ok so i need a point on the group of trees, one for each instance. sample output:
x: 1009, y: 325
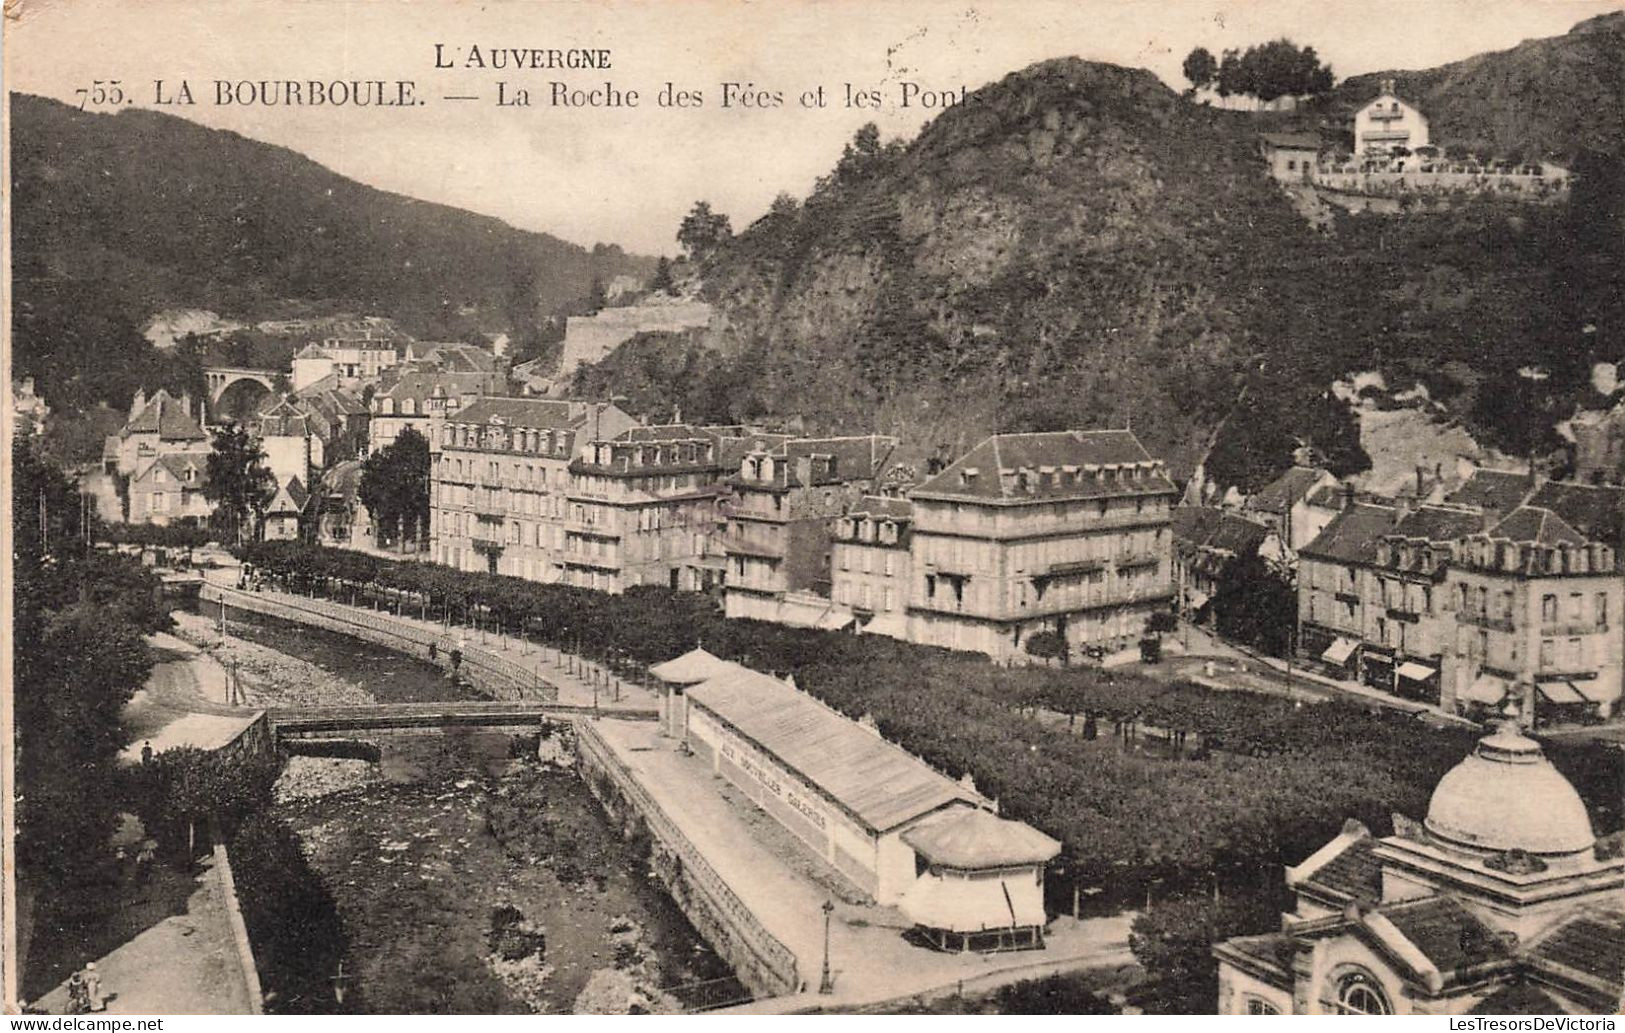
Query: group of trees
x: 239, y: 483
x: 1266, y: 71
x: 79, y: 618
x: 1277, y: 783
x: 395, y: 489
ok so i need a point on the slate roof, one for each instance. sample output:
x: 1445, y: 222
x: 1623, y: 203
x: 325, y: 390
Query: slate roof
x: 454, y: 357
x: 293, y: 493
x: 1061, y: 464
x: 1352, y: 535
x: 1204, y: 527
x: 1292, y: 141
x: 887, y: 507
x: 1495, y: 491
x: 1590, y: 944
x: 1272, y: 951
x: 1287, y: 490
x: 856, y: 458
x: 1354, y: 874
x: 873, y: 780
x: 1591, y: 510
x: 665, y: 432
x: 539, y: 413
x: 1446, y: 933
x: 1518, y: 998
x: 1537, y: 526
x: 164, y: 416
x: 1439, y: 523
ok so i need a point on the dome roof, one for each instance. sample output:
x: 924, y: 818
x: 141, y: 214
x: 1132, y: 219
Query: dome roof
x: 1507, y: 796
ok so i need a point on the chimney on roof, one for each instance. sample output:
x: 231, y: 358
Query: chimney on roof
x: 1388, y: 87
x: 138, y: 403
x: 1348, y: 495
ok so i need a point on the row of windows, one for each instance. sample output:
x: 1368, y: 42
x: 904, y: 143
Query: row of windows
x: 866, y: 560
x: 864, y: 596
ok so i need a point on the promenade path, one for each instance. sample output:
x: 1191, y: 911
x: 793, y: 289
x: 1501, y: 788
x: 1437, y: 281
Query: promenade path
x: 579, y: 682
x: 182, y: 704
x: 773, y: 876
x: 180, y: 964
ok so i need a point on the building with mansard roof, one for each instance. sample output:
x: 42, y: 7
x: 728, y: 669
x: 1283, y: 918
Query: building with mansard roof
x: 1509, y: 592
x: 1503, y: 900
x: 1064, y: 532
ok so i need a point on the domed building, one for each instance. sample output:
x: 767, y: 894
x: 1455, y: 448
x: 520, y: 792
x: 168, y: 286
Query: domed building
x: 1503, y: 900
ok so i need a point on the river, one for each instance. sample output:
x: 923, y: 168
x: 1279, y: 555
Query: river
x: 470, y: 876
x: 389, y: 676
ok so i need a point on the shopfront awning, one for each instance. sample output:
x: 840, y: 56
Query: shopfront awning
x: 836, y: 620
x: 1560, y: 692
x: 1198, y: 599
x: 891, y: 624
x: 1340, y: 651
x: 1415, y: 671
x: 1487, y: 689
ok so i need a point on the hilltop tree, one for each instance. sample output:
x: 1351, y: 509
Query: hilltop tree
x: 1200, y: 68
x: 240, y: 484
x: 703, y: 231
x: 1279, y: 68
x: 662, y: 279
x: 395, y: 488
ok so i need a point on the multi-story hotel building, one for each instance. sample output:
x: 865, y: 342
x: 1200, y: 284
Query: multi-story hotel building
x: 1436, y: 605
x: 784, y: 499
x: 499, y: 497
x: 1538, y: 618
x: 1066, y: 532
x: 871, y: 563
x: 644, y: 508
x: 1371, y: 597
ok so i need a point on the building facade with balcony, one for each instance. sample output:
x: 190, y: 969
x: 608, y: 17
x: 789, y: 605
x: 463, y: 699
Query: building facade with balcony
x: 784, y: 499
x: 1388, y: 123
x: 1472, y: 606
x: 1372, y: 602
x: 871, y: 566
x: 645, y: 508
x: 1538, y: 620
x: 499, y: 491
x: 1066, y: 532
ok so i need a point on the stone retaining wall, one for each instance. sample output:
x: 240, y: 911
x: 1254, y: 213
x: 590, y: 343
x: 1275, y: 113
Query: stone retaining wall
x: 759, y: 959
x: 234, y: 917
x: 486, y: 671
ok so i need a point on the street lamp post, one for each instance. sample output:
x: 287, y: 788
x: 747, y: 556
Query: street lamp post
x: 826, y: 985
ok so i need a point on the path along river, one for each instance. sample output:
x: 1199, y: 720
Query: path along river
x: 470, y: 875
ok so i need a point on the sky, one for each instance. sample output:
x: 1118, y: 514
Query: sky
x: 627, y: 175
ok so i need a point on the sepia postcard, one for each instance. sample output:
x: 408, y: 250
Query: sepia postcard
x: 768, y: 507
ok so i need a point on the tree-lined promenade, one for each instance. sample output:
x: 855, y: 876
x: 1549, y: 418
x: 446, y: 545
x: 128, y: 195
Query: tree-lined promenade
x: 1274, y: 782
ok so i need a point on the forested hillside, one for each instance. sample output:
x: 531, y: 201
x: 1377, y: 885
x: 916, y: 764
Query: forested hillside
x: 118, y: 216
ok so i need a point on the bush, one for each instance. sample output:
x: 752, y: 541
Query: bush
x: 292, y: 920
